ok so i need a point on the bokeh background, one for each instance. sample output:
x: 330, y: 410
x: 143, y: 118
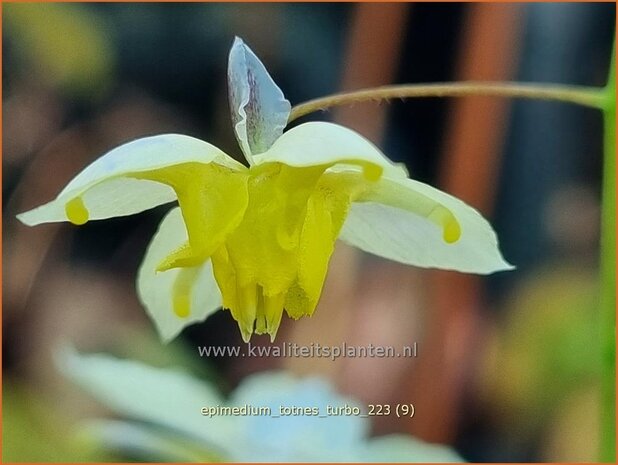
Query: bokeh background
x: 508, y: 365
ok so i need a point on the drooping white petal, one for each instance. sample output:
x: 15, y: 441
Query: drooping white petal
x: 193, y: 289
x: 169, y: 397
x: 106, y: 188
x: 259, y: 109
x: 412, y: 223
x: 321, y: 143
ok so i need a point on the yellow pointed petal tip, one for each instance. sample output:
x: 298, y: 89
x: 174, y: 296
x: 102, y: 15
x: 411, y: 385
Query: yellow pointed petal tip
x: 372, y: 172
x: 182, y: 290
x: 451, y: 230
x: 273, y: 311
x: 182, y: 257
x: 267, y: 316
x: 76, y: 211
x: 182, y: 306
x: 248, y: 303
x: 245, y: 333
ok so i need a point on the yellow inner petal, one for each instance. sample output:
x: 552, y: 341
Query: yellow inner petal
x: 278, y: 255
x: 263, y: 248
x: 212, y: 199
x: 327, y: 209
x: 258, y: 262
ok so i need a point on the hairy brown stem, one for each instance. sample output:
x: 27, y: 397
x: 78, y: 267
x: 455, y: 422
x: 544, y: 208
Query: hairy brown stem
x: 579, y: 95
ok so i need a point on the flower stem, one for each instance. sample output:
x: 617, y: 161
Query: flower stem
x: 579, y: 95
x: 608, y: 272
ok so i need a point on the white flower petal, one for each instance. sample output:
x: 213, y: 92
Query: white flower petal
x: 404, y: 226
x: 162, y: 396
x: 320, y: 143
x: 105, y: 189
x: 114, y: 197
x: 156, y: 289
x: 259, y: 109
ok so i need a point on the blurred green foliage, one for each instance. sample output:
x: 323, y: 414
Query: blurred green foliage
x: 33, y: 430
x: 64, y: 43
x: 545, y: 349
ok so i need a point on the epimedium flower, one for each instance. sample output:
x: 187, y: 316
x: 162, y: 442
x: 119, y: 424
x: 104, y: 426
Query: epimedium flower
x: 257, y: 240
x: 161, y: 417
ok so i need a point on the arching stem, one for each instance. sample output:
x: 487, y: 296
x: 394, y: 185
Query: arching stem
x: 579, y: 95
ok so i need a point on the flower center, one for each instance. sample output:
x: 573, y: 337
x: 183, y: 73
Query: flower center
x: 278, y: 255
